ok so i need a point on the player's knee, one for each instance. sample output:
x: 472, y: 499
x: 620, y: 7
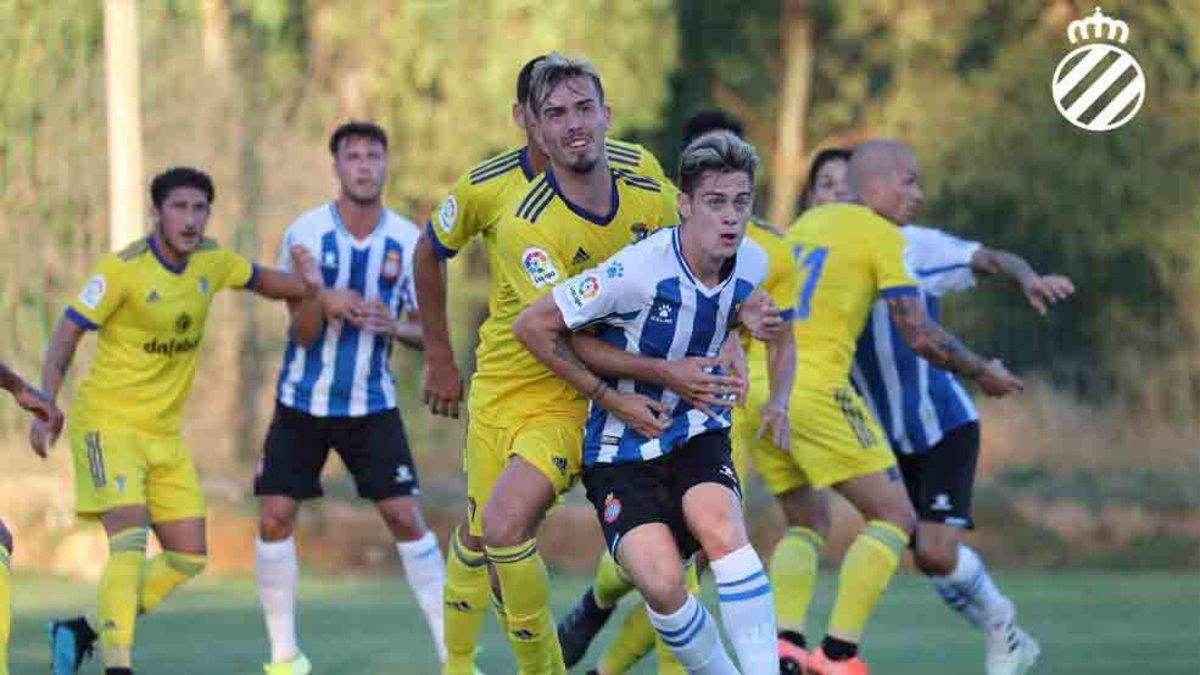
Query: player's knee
x: 404, y: 521
x: 187, y: 564
x: 275, y: 526
x: 720, y: 534
x: 663, y: 587
x: 504, y: 527
x: 935, y: 559
x: 898, y: 512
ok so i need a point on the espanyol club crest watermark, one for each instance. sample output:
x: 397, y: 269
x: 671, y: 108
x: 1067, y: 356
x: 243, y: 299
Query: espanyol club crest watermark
x: 1098, y: 86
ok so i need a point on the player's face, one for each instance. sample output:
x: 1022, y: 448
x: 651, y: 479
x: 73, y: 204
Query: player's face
x: 832, y: 183
x: 717, y: 210
x: 898, y: 196
x: 361, y: 166
x: 181, y: 219
x: 571, y: 125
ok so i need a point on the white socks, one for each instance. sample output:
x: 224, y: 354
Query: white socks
x: 970, y: 591
x: 747, y: 609
x: 692, y: 635
x: 425, y: 571
x: 278, y: 572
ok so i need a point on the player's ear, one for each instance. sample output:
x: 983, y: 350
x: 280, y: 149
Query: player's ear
x: 684, y: 204
x: 518, y: 115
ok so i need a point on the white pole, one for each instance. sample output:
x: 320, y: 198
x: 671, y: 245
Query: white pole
x: 126, y: 186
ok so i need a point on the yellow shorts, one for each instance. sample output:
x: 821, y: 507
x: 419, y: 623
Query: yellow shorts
x: 122, y: 467
x: 834, y: 439
x: 552, y: 444
x: 746, y: 421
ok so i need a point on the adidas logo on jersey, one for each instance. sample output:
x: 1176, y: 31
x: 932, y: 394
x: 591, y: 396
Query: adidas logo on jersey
x: 581, y: 256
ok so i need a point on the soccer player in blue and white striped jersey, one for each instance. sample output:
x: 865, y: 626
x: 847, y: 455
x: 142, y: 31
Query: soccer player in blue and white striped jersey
x: 934, y: 429
x: 663, y: 485
x: 335, y: 390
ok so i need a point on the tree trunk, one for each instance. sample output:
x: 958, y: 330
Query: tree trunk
x: 126, y: 205
x: 787, y: 160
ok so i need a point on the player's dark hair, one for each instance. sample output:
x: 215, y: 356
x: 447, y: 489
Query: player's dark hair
x: 525, y: 77
x: 365, y: 129
x: 720, y: 151
x: 711, y: 120
x: 822, y: 158
x: 177, y: 177
x: 554, y: 68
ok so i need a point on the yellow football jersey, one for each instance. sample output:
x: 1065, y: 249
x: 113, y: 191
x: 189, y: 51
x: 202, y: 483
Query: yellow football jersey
x: 847, y: 256
x: 150, y: 318
x: 781, y: 285
x: 546, y: 240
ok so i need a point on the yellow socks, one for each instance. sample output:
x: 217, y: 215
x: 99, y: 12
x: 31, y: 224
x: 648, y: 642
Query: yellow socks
x: 793, y: 572
x: 5, y: 607
x: 465, y: 604
x: 611, y: 583
x: 524, y: 585
x: 118, y: 596
x: 165, y: 572
x: 867, y: 569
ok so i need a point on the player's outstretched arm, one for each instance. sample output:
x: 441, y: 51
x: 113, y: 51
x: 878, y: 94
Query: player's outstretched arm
x: 692, y: 378
x: 936, y: 345
x: 543, y: 331
x: 443, y: 388
x: 1041, y: 290
x: 59, y: 354
x: 30, y: 398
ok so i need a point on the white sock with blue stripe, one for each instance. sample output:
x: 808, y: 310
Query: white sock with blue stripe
x: 692, y: 635
x: 970, y: 591
x: 747, y: 609
x: 426, y: 574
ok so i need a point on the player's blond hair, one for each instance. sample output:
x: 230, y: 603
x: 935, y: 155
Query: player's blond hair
x: 552, y: 70
x: 720, y: 151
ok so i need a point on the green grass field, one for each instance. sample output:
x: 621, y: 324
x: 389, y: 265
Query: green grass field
x: 1087, y: 623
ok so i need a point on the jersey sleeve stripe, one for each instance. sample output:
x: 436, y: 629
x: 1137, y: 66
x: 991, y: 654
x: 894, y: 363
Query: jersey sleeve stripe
x: 647, y: 185
x: 494, y: 161
x: 932, y: 271
x: 623, y: 152
x: 541, y: 206
x: 444, y: 252
x: 478, y: 177
x: 899, y: 292
x: 80, y: 320
x: 252, y: 282
x: 532, y: 197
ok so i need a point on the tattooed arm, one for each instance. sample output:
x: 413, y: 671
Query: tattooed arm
x: 59, y: 354
x: 936, y: 345
x: 544, y: 333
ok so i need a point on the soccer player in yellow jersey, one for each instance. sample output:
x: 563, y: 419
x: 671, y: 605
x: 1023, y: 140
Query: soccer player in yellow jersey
x: 849, y: 254
x: 526, y: 425
x: 44, y: 409
x: 473, y: 208
x: 148, y: 304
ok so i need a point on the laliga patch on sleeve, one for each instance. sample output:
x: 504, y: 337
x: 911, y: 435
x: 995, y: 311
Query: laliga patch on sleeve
x: 93, y: 293
x: 583, y: 290
x: 539, y: 267
x: 448, y: 214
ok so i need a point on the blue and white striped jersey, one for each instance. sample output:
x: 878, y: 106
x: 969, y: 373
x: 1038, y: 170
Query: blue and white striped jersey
x: 345, y: 373
x: 646, y: 301
x: 915, y: 402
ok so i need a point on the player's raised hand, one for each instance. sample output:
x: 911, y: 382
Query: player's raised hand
x: 761, y: 316
x: 373, y: 317
x: 304, y: 264
x: 1045, y: 290
x: 775, y: 420
x: 643, y: 414
x: 996, y: 381
x: 443, y: 385
x: 694, y: 381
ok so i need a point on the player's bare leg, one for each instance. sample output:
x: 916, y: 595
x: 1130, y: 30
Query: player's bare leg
x: 869, y: 563
x: 714, y: 515
x: 960, y: 577
x: 424, y: 568
x: 511, y: 519
x: 793, y: 570
x: 278, y: 569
